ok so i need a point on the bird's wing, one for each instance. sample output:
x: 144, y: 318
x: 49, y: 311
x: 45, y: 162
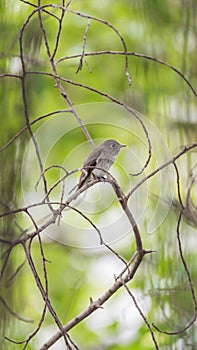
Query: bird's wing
x: 90, y: 161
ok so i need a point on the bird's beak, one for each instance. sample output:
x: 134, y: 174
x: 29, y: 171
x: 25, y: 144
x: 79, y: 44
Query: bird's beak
x: 123, y: 146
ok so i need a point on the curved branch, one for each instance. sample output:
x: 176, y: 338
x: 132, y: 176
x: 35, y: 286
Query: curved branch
x: 112, y: 99
x: 31, y: 123
x: 94, y: 305
x: 123, y: 202
x: 135, y: 54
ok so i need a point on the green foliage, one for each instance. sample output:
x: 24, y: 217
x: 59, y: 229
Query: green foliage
x: 162, y: 30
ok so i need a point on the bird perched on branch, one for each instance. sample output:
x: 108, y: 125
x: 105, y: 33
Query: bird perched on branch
x: 101, y: 158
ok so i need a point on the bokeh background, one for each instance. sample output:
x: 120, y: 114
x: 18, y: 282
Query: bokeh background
x: 79, y: 266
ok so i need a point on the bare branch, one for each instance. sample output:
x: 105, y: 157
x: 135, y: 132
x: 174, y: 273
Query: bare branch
x: 179, y: 331
x: 163, y: 166
x: 112, y: 99
x: 94, y: 305
x: 142, y: 315
x: 32, y: 123
x: 12, y: 312
x: 58, y: 84
x: 135, y: 54
x: 99, y: 233
x: 25, y: 105
x: 83, y: 48
x: 33, y: 233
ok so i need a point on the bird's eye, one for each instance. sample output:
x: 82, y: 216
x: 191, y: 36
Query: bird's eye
x: 113, y: 145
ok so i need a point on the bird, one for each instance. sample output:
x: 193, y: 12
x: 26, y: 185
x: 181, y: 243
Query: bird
x: 101, y: 157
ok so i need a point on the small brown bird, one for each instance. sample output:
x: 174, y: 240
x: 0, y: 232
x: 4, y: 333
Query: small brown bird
x: 102, y: 157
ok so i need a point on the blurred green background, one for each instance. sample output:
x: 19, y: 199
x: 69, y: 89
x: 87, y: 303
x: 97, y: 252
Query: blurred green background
x: 79, y: 267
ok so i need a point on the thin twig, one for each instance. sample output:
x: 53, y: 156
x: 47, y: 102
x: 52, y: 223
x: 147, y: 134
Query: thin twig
x: 94, y: 305
x: 12, y: 312
x: 25, y: 104
x: 111, y: 98
x: 142, y: 315
x: 134, y: 54
x: 32, y: 123
x: 57, y: 81
x: 99, y: 233
x: 83, y: 48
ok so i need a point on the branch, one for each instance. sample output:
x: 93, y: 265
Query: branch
x: 135, y: 54
x: 142, y: 315
x: 12, y: 312
x: 94, y: 305
x: 163, y: 166
x: 58, y: 84
x: 31, y: 123
x: 112, y: 99
x: 179, y: 331
x: 83, y: 48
